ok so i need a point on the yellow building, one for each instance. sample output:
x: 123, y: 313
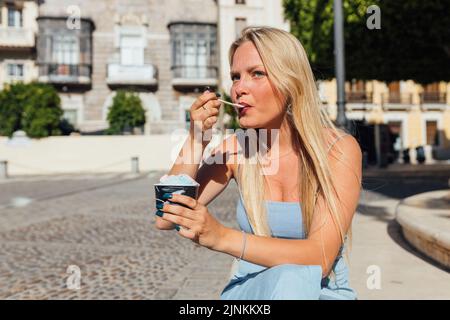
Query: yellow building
x: 416, y: 115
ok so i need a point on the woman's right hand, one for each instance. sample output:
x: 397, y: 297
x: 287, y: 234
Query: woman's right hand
x: 204, y: 112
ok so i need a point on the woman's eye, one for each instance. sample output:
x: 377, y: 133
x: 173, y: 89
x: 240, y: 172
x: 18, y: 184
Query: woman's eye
x: 259, y: 74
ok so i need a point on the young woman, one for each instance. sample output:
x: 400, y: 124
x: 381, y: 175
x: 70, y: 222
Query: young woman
x: 297, y: 199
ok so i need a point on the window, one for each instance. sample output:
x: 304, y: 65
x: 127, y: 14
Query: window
x: 187, y: 119
x: 131, y: 50
x: 65, y: 55
x: 397, y: 93
x: 15, y: 71
x: 239, y: 25
x: 432, y: 94
x: 185, y: 103
x: 194, y: 50
x: 14, y: 17
x: 240, y: 2
x: 62, y: 52
x: 65, y: 49
x: 432, y: 133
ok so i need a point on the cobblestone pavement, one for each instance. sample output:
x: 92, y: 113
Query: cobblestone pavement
x: 104, y: 224
x: 106, y: 228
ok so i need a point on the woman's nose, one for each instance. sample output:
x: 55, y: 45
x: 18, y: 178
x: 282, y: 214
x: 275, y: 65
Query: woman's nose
x: 241, y: 87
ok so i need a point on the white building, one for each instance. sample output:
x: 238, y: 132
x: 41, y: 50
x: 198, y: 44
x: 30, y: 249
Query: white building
x: 18, y: 28
x: 235, y: 15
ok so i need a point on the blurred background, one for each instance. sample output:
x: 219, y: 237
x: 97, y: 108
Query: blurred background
x: 94, y: 103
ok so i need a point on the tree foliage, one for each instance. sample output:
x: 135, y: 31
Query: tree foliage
x: 34, y: 108
x: 413, y: 42
x: 231, y: 112
x: 125, y: 113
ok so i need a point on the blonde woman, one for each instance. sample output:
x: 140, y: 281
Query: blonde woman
x: 297, y: 197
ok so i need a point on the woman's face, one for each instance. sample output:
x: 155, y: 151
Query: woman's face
x: 251, y: 87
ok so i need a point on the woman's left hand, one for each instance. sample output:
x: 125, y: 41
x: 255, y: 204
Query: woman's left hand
x: 195, y: 221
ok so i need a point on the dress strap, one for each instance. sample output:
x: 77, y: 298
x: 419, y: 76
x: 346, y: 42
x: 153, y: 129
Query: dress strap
x: 336, y: 140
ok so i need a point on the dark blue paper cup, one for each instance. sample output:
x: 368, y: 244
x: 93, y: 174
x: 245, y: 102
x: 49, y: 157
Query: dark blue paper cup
x: 161, y: 189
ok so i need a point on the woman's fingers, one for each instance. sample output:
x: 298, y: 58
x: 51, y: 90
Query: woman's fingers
x: 178, y: 210
x: 210, y: 122
x: 210, y: 108
x: 188, y: 233
x: 206, y: 107
x: 184, y: 222
x: 185, y: 200
x: 202, y: 100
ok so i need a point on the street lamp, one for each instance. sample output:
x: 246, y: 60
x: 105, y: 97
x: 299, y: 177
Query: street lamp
x: 339, y: 56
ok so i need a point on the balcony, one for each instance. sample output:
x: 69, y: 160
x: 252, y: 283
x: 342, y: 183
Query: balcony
x: 65, y: 74
x: 132, y: 75
x: 397, y: 101
x: 359, y: 100
x: 187, y: 77
x: 16, y: 38
x: 433, y: 100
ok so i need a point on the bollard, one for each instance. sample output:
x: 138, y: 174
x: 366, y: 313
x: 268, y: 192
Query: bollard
x: 135, y: 164
x: 3, y: 169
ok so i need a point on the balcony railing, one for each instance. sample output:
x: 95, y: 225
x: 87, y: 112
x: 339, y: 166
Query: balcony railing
x: 15, y: 37
x: 396, y: 100
x: 359, y: 97
x: 433, y: 97
x: 141, y: 75
x: 194, y: 75
x: 65, y: 73
x: 358, y: 100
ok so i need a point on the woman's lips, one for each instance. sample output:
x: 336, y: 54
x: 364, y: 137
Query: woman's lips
x: 243, y: 111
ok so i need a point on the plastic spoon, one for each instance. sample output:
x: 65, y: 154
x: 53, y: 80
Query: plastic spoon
x: 235, y: 105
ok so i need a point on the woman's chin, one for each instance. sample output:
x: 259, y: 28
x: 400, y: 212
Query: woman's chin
x: 249, y: 123
x: 246, y: 123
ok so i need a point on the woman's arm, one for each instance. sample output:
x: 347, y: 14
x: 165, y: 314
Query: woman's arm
x: 323, y: 243
x: 203, y: 116
x: 187, y: 162
x: 213, y: 175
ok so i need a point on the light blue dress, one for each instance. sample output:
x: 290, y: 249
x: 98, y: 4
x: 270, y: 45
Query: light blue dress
x: 287, y: 281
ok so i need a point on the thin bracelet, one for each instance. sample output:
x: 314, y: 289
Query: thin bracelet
x: 244, y: 240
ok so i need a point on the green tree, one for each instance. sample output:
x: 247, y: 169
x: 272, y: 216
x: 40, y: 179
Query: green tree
x: 34, y: 108
x: 229, y: 110
x: 125, y: 113
x: 11, y: 108
x: 413, y: 42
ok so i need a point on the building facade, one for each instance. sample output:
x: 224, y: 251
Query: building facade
x: 166, y: 51
x: 415, y: 115
x: 18, y: 27
x: 235, y: 15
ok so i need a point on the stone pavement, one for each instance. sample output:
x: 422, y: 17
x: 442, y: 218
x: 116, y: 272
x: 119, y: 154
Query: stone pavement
x: 379, y: 247
x: 105, y: 226
x: 107, y: 230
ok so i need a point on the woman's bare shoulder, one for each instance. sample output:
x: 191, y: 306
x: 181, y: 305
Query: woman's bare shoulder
x: 341, y: 144
x: 331, y: 135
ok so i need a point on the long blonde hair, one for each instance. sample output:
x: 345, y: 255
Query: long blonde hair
x: 289, y: 71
